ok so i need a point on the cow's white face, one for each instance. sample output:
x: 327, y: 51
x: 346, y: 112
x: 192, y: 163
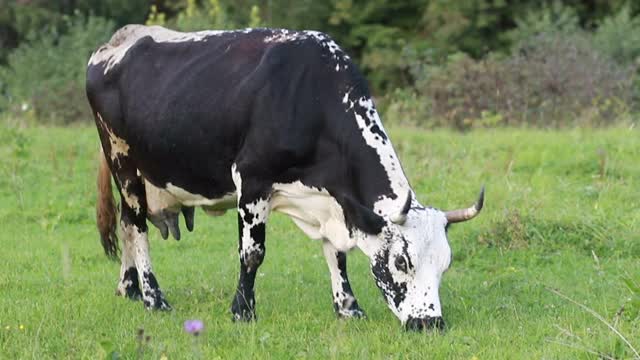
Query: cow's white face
x: 408, y: 263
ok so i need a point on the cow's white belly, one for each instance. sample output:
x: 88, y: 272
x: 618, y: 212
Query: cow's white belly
x: 315, y: 212
x: 228, y: 201
x: 172, y: 197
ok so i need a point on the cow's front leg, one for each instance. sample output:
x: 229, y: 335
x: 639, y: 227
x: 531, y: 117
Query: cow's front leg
x: 344, y: 302
x: 253, y: 210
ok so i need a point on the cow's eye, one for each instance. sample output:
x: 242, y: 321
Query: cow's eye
x: 401, y: 263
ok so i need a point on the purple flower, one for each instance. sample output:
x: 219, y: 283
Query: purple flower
x: 193, y: 326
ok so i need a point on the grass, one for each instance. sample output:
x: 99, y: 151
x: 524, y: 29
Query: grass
x: 562, y: 214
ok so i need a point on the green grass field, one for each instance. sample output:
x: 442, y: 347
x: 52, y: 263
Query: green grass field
x: 562, y: 212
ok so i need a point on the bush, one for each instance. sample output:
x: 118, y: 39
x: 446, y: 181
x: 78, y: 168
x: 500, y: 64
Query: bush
x: 558, y: 80
x: 551, y: 79
x: 46, y: 76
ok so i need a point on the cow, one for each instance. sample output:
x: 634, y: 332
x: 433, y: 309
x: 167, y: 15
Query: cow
x: 259, y: 120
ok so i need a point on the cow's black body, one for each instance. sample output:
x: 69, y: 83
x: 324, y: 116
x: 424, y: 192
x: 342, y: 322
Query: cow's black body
x: 190, y: 110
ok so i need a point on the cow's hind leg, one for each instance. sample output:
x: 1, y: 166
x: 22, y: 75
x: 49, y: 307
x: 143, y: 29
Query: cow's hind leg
x: 136, y: 242
x: 129, y: 284
x: 253, y: 210
x: 134, y: 237
x: 136, y: 275
x: 344, y: 302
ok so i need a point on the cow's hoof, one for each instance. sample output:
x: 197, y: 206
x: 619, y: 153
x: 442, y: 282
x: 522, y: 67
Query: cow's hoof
x: 243, y: 308
x: 356, y: 313
x: 349, y: 309
x: 244, y: 316
x: 156, y: 302
x: 241, y: 312
x: 129, y: 292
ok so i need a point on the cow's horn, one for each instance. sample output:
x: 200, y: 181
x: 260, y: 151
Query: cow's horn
x: 400, y: 217
x: 460, y: 215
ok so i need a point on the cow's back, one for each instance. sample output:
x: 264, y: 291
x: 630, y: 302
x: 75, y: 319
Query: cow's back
x: 193, y: 100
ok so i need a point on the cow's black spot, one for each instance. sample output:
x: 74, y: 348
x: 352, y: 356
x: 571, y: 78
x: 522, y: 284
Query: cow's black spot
x: 390, y: 289
x: 342, y: 265
x: 431, y: 307
x: 248, y: 215
x: 132, y: 289
x: 151, y: 280
x: 377, y: 130
x: 258, y: 233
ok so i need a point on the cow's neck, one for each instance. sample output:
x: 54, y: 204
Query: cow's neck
x: 390, y: 191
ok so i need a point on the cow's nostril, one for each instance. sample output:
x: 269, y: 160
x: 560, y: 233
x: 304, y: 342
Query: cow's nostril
x: 427, y: 323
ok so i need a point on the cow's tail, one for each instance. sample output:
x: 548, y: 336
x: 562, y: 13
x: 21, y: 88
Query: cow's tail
x: 106, y: 212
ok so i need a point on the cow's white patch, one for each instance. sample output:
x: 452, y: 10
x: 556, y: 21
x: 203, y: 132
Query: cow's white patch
x: 184, y: 197
x: 159, y: 199
x: 138, y: 249
x: 126, y: 260
x: 282, y: 36
x: 114, y: 51
x: 119, y: 147
x: 237, y: 179
x: 130, y: 198
x: 315, y: 212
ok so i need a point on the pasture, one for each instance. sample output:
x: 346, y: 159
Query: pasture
x: 562, y: 213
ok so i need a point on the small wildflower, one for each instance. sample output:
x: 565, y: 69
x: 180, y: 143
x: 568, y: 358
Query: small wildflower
x: 164, y: 357
x: 7, y: 327
x: 193, y: 327
x: 21, y: 327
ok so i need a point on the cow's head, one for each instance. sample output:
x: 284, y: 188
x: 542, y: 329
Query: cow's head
x: 408, y: 257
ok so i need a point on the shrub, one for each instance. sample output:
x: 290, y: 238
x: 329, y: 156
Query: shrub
x: 563, y: 79
x: 47, y: 75
x: 552, y: 79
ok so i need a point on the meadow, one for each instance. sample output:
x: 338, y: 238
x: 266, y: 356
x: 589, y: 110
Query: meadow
x: 561, y: 221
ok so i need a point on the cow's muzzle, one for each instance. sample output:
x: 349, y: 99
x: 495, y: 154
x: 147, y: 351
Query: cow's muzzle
x: 427, y: 323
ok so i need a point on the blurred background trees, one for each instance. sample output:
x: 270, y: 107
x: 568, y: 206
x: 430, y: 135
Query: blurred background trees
x: 462, y: 63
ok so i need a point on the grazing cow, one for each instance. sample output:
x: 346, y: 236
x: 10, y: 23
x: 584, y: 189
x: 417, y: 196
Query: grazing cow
x: 260, y: 120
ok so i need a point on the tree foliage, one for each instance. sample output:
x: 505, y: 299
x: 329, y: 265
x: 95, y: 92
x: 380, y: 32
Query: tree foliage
x: 395, y: 43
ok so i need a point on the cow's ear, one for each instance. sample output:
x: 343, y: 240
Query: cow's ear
x: 359, y: 216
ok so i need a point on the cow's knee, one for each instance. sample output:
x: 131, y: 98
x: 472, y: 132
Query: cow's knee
x: 252, y: 256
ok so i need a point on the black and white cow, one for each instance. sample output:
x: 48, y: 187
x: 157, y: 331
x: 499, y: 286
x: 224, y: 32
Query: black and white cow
x: 260, y: 120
